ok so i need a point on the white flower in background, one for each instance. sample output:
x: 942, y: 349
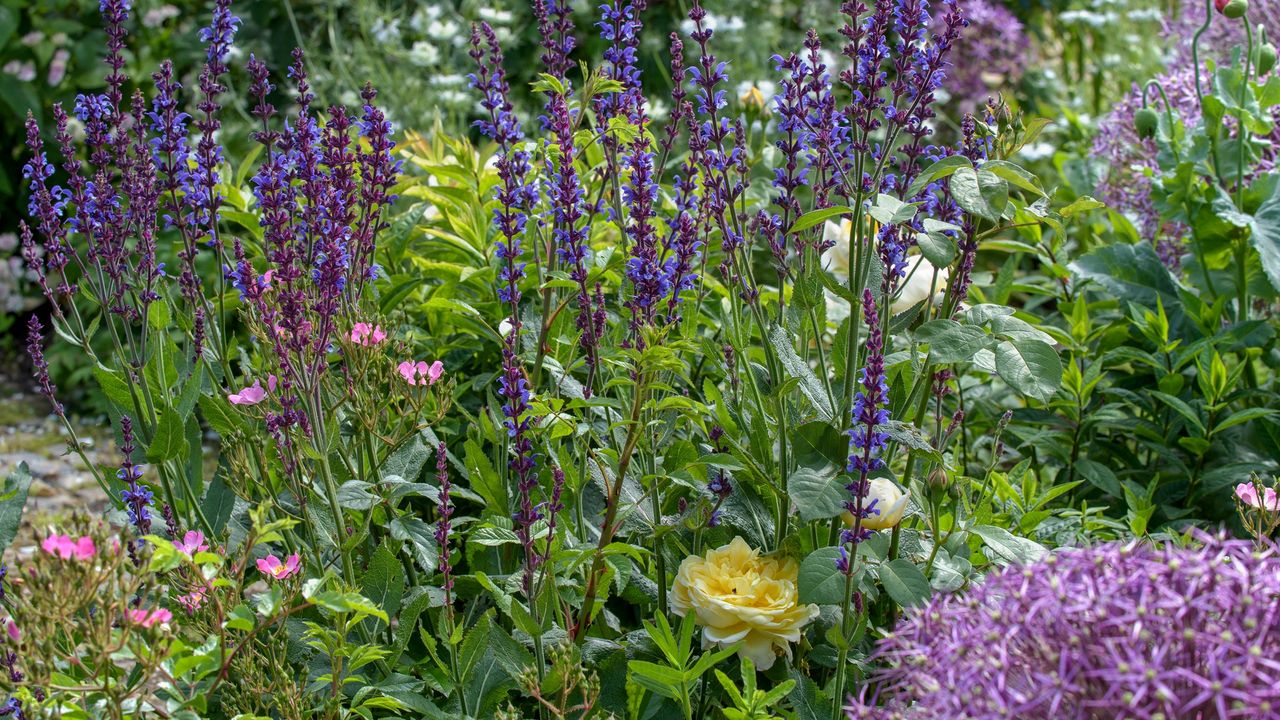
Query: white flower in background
x: 454, y: 97
x: 425, y: 16
x: 888, y: 504
x: 836, y: 257
x: 733, y: 23
x: 58, y: 66
x: 156, y: 17
x: 919, y: 285
x: 911, y: 291
x: 8, y: 241
x: 33, y: 38
x: 442, y: 29
x: 386, y: 30
x: 1037, y: 151
x: 24, y: 71
x: 448, y: 80
x: 658, y: 110
x: 424, y: 54
x: 494, y: 16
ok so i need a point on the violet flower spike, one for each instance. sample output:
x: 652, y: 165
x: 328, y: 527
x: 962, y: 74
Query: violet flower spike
x: 515, y: 197
x: 867, y: 439
x: 443, y: 527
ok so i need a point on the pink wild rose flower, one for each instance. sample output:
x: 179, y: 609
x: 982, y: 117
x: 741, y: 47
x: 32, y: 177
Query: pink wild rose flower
x: 1248, y: 494
x: 191, y: 543
x: 420, y: 373
x: 273, y: 567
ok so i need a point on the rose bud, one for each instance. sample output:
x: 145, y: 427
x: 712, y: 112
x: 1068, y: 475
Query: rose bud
x: 1234, y: 9
x: 1266, y: 58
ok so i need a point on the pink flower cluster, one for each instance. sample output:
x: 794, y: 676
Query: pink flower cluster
x: 1248, y: 494
x: 253, y: 394
x: 367, y: 335
x: 420, y: 373
x: 274, y: 568
x: 65, y: 547
x: 150, y: 618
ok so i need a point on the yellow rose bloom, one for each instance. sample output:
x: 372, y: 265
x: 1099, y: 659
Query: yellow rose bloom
x: 739, y: 597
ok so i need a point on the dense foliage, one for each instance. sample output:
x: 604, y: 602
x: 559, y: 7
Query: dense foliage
x: 659, y: 390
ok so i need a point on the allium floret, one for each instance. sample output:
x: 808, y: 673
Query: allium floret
x: 1119, y: 630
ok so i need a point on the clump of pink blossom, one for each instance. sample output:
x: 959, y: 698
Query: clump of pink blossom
x: 420, y: 373
x: 1134, y: 630
x: 66, y: 547
x: 367, y: 334
x: 150, y: 618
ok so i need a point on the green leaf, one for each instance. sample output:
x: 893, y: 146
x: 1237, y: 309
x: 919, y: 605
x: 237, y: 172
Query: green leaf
x: 12, y: 502
x: 218, y: 503
x: 1015, y: 175
x: 1080, y: 205
x: 1030, y: 367
x: 421, y: 539
x: 808, y: 700
x: 810, y: 385
x: 817, y: 493
x: 939, y: 249
x: 169, y: 441
x: 1243, y: 416
x: 815, y: 217
x: 116, y: 389
x: 1266, y: 237
x: 1130, y: 272
x: 1182, y: 408
x: 218, y: 413
x: 904, y: 582
x: 658, y: 679
x: 383, y: 581
x: 1009, y: 547
x: 951, y: 342
x: 937, y: 171
x: 819, y: 581
x: 980, y: 192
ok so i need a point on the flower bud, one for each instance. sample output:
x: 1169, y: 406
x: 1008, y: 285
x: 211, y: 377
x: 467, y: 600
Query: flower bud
x: 1145, y: 122
x: 1234, y: 9
x: 1266, y: 58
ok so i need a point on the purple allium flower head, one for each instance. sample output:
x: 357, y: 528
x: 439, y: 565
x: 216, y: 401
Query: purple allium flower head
x: 996, y: 50
x: 1117, y: 630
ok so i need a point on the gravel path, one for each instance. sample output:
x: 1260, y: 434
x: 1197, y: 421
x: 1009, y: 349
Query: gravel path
x: 60, y: 482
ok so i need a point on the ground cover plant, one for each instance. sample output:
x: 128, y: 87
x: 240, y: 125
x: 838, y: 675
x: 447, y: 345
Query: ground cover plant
x: 714, y: 400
